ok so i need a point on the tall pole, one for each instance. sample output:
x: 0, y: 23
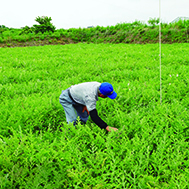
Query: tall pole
x: 160, y: 49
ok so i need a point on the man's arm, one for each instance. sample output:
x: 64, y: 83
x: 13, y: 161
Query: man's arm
x: 97, y: 120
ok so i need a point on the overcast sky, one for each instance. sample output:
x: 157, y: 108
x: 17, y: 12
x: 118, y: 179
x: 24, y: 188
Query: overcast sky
x: 83, y: 13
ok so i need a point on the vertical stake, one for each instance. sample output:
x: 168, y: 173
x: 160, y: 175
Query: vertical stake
x: 160, y: 48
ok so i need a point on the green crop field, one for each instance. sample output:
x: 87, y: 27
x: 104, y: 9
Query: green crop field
x: 150, y: 150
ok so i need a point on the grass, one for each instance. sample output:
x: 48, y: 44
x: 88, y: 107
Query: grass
x: 39, y: 150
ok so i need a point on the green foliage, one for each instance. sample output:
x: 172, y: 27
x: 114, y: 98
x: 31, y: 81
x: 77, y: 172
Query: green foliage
x: 27, y: 30
x: 136, y: 32
x: 1, y: 40
x: 39, y: 150
x: 45, y: 25
x: 153, y: 21
x: 3, y: 28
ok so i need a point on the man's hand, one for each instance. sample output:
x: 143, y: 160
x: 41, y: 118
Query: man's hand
x: 111, y: 128
x: 85, y: 108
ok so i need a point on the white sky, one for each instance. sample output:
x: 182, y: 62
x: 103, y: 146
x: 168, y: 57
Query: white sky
x: 83, y: 13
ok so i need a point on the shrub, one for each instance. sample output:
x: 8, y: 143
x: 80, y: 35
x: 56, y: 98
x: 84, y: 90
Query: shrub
x: 3, y: 28
x: 153, y: 21
x: 45, y: 25
x: 1, y: 40
x: 27, y: 30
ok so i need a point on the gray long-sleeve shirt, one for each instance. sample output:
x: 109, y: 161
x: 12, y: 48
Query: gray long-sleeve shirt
x: 87, y: 95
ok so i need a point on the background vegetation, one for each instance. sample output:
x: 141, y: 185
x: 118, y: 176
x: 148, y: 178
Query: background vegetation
x: 137, y: 32
x: 150, y: 150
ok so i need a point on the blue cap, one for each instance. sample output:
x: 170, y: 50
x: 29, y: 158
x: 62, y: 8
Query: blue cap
x: 107, y: 90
